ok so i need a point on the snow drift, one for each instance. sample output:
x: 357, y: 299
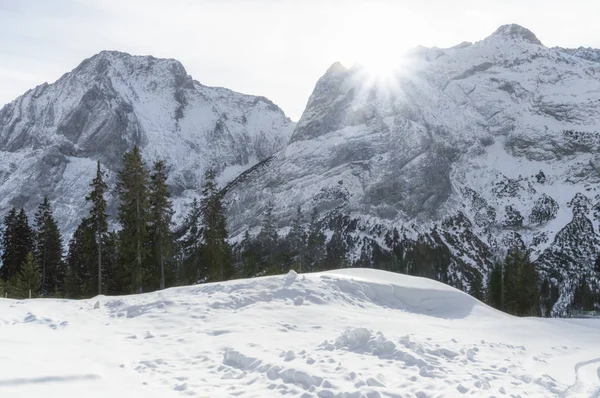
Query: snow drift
x: 347, y: 333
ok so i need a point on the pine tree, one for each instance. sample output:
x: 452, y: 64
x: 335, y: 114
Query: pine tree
x: 529, y: 295
x: 250, y: 250
x: 132, y: 190
x: 217, y: 251
x: 297, y: 239
x: 336, y: 250
x: 511, y: 281
x: 190, y: 244
x: 315, y: 244
x: 17, y: 242
x: 494, y: 290
x: 10, y: 257
x: 48, y: 249
x: 268, y: 240
x: 161, y: 214
x: 98, y: 218
x: 476, y: 289
x: 29, y: 278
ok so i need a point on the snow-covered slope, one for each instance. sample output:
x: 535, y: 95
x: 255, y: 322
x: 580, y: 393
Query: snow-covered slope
x: 472, y: 149
x: 51, y: 137
x: 347, y: 333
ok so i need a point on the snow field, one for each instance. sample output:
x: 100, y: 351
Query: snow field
x: 347, y: 333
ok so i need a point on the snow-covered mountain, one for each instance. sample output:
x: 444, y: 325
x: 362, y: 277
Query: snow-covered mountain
x: 347, y: 333
x: 51, y: 137
x: 467, y: 151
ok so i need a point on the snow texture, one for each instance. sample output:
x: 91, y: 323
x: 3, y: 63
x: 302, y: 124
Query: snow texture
x: 357, y: 333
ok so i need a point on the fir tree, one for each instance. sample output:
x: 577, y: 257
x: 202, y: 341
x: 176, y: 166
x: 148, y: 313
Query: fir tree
x: 297, y: 239
x: 217, y: 252
x: 80, y: 261
x: 190, y: 243
x: 48, y: 249
x: 315, y: 243
x: 161, y: 214
x: 17, y: 242
x: 494, y: 290
x: 268, y: 240
x: 336, y: 250
x: 132, y: 190
x: 476, y: 289
x: 98, y: 218
x: 250, y: 252
x: 511, y: 281
x: 529, y: 295
x: 29, y: 278
x: 10, y: 256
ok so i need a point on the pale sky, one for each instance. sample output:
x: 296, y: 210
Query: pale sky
x: 275, y: 48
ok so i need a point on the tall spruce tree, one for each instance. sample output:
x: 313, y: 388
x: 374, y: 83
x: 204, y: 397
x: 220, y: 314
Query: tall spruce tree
x: 132, y: 190
x: 315, y: 243
x: 190, y: 242
x: 216, y: 249
x: 494, y: 290
x: 48, y: 249
x: 250, y: 252
x: 336, y: 250
x: 297, y: 239
x: 29, y: 278
x: 160, y: 218
x: 10, y: 256
x: 476, y: 290
x: 16, y: 244
x: 98, y: 218
x: 267, y: 239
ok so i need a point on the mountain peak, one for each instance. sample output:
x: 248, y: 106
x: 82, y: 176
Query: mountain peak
x: 515, y: 31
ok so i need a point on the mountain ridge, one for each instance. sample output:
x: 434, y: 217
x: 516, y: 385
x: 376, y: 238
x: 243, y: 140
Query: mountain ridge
x: 470, y: 150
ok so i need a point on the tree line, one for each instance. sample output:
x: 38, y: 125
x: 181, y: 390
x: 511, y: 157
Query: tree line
x: 145, y: 251
x: 143, y: 254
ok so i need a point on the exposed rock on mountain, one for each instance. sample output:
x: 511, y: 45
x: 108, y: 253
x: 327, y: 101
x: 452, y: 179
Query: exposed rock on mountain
x: 466, y: 151
x: 51, y: 137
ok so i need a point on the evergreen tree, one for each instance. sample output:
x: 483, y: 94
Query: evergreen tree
x: 476, y: 289
x: 297, y: 239
x: 98, y: 218
x: 336, y: 250
x: 190, y: 244
x: 48, y: 249
x: 161, y: 214
x: 268, y: 240
x: 511, y: 281
x: 132, y: 190
x: 17, y: 242
x: 10, y: 256
x: 545, y: 295
x: 250, y: 252
x: 29, y: 278
x: 110, y: 264
x: 529, y: 295
x: 315, y: 244
x: 81, y: 261
x: 216, y: 249
x: 494, y: 290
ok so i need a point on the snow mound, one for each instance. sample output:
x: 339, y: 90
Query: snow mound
x: 346, y: 333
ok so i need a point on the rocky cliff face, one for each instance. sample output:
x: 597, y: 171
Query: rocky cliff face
x: 469, y: 150
x: 51, y: 137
